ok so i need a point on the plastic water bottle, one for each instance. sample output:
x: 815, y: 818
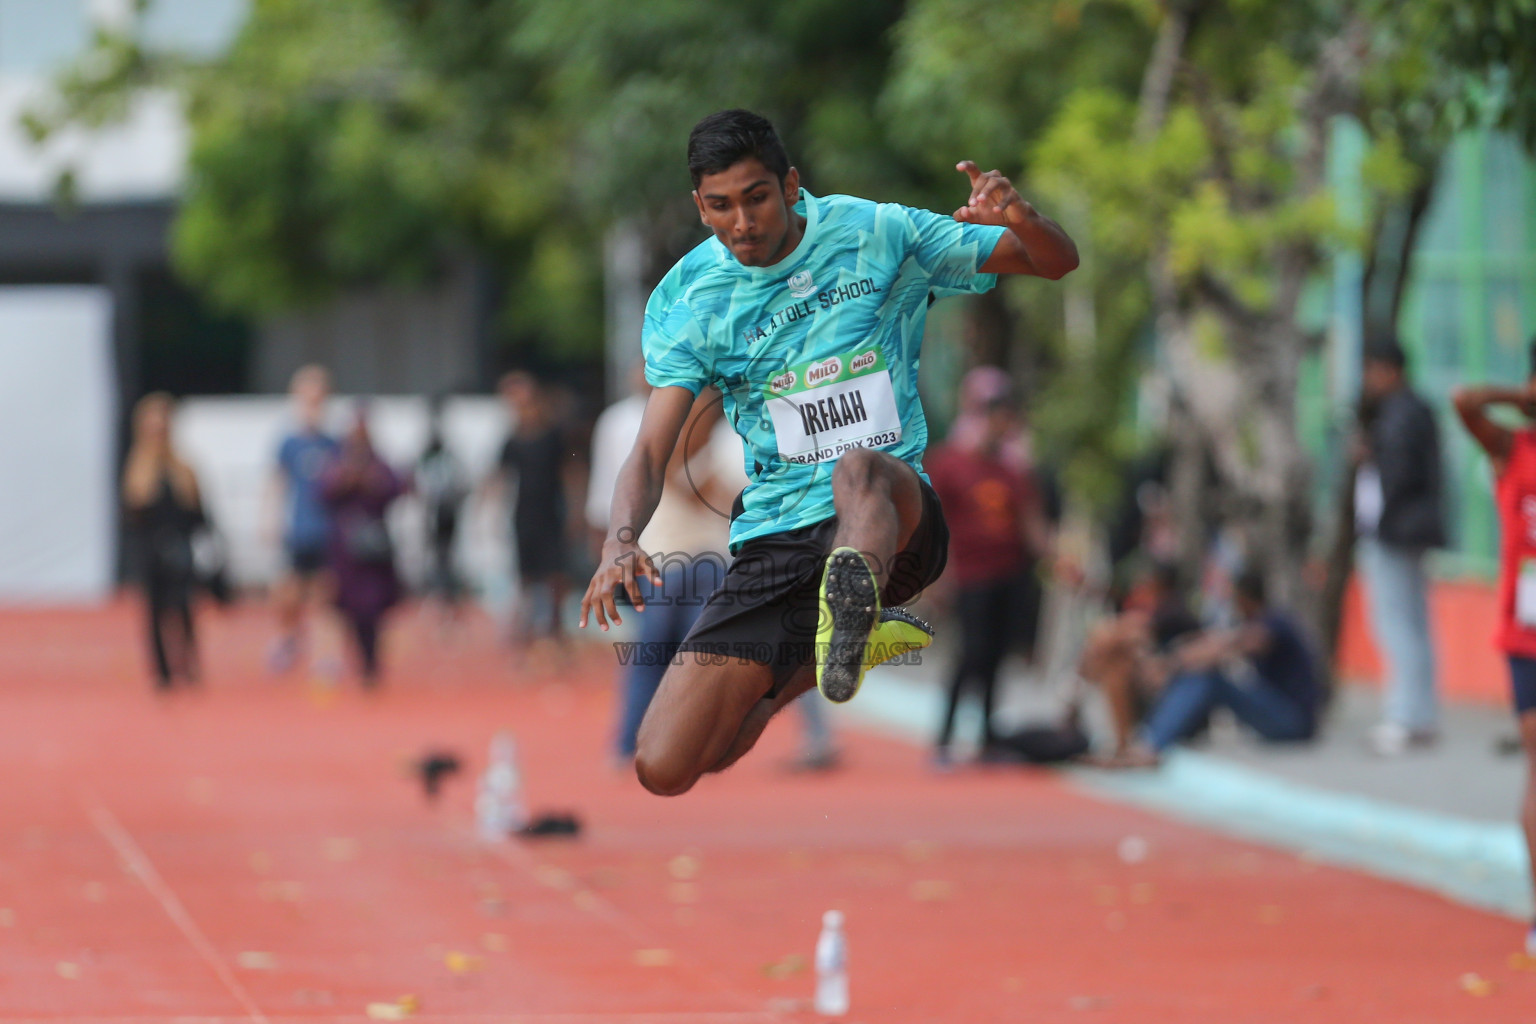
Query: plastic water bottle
x: 499, y: 801
x: 831, y: 967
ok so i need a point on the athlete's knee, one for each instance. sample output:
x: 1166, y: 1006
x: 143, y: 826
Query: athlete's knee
x: 662, y: 774
x: 860, y: 468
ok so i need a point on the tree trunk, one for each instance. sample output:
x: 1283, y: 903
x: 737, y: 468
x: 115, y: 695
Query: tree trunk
x: 1340, y: 563
x: 1389, y: 261
x: 1167, y: 53
x: 1383, y: 285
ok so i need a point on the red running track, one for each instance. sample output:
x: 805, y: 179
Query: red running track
x: 253, y: 852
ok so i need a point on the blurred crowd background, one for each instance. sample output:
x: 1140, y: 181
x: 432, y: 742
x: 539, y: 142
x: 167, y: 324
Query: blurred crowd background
x: 201, y: 197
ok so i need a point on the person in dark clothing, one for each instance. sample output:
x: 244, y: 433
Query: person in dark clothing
x: 1129, y: 656
x: 1398, y: 518
x: 539, y: 459
x: 164, y: 509
x: 440, y: 481
x: 1279, y: 701
x: 996, y: 533
x: 358, y: 487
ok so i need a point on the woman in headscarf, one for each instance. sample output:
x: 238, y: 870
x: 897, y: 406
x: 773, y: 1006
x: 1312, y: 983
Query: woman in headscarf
x: 358, y: 488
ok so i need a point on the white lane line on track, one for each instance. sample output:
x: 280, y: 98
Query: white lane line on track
x: 139, y: 863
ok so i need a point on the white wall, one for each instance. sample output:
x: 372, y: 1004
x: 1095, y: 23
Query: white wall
x: 141, y: 158
x: 232, y: 444
x: 58, y: 494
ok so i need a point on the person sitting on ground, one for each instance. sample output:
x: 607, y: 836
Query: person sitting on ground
x: 1279, y: 701
x: 1129, y: 657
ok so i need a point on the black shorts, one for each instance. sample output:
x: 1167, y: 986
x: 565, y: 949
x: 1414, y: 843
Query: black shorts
x: 766, y: 607
x: 1522, y: 683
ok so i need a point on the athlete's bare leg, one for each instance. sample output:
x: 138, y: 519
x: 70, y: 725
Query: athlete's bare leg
x: 704, y: 717
x: 695, y: 719
x: 762, y: 713
x: 879, y: 502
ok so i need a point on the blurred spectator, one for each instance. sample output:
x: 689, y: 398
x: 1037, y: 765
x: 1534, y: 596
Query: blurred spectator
x: 443, y: 485
x: 1398, y: 518
x: 613, y: 435
x: 358, y: 488
x: 305, y: 521
x: 997, y: 533
x: 537, y: 458
x: 686, y: 540
x: 1278, y: 699
x: 164, y: 509
x: 979, y: 391
x: 1129, y: 656
x: 1513, y: 454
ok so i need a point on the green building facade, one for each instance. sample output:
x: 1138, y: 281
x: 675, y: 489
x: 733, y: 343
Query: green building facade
x: 1468, y: 315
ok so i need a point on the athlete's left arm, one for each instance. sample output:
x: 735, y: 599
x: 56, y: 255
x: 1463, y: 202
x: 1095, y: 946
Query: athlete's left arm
x: 1034, y: 244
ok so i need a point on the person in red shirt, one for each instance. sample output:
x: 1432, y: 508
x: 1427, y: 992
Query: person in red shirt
x: 996, y: 535
x: 1513, y: 453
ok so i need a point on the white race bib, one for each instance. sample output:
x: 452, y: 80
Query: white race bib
x: 822, y: 409
x: 1525, y: 594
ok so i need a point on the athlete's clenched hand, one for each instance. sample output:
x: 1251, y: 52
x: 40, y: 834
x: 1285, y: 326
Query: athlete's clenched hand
x: 622, y: 565
x: 993, y: 200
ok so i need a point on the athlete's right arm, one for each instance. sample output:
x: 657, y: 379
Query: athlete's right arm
x: 635, y: 496
x: 1472, y: 406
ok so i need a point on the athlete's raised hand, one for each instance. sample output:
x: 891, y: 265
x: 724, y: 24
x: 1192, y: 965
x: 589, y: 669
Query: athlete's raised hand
x: 993, y: 200
x: 622, y: 565
x: 1033, y: 244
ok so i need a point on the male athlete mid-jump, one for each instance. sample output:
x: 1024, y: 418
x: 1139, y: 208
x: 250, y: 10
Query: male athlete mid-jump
x: 807, y: 313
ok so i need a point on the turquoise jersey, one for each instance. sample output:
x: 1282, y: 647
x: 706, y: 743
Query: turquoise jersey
x: 818, y: 353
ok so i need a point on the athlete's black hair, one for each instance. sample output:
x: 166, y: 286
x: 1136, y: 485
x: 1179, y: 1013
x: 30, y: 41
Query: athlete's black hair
x: 722, y: 140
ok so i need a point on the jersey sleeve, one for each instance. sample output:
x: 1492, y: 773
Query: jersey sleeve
x: 672, y: 343
x: 951, y: 252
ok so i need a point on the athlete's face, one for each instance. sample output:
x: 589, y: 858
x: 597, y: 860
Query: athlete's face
x: 751, y: 211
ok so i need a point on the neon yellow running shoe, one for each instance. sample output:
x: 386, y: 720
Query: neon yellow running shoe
x: 897, y: 632
x: 849, y: 607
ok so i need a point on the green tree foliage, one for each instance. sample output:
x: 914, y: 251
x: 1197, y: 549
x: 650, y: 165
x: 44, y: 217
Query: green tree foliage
x: 364, y: 141
x: 361, y: 141
x: 1184, y: 144
x: 987, y: 80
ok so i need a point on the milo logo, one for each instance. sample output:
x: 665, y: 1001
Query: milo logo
x: 823, y: 371
x: 783, y: 382
x: 862, y: 361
